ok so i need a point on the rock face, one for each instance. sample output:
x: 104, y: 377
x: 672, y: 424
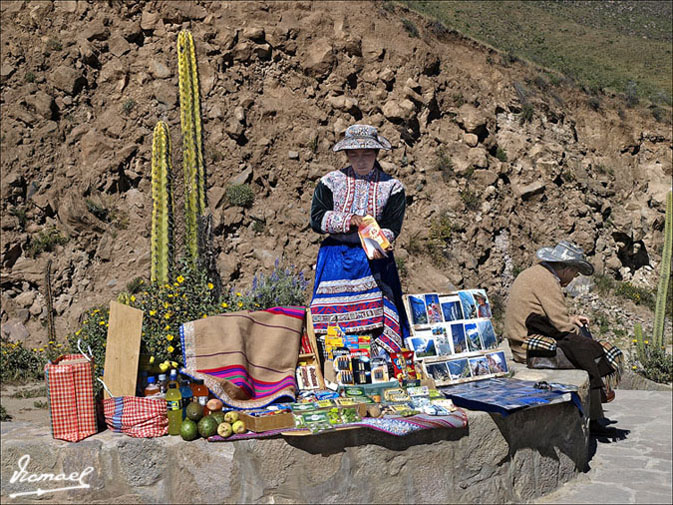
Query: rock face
x: 511, y: 459
x: 278, y: 88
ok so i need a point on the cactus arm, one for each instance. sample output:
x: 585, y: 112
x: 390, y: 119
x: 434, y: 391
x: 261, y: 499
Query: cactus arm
x: 198, y: 134
x: 162, y: 229
x: 664, y: 275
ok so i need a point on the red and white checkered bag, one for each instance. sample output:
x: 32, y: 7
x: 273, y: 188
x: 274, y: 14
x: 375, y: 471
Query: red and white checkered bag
x: 71, y: 400
x: 135, y: 416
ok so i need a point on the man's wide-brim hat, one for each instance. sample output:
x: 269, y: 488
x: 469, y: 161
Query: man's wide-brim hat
x: 566, y: 252
x: 362, y: 136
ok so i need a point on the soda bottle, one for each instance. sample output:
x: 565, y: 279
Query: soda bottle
x: 174, y: 412
x: 152, y: 389
x: 173, y: 377
x: 162, y: 383
x: 187, y: 396
x: 203, y: 400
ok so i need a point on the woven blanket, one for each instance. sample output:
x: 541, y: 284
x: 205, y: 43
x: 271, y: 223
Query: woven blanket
x: 539, y: 343
x: 398, y: 426
x: 246, y: 359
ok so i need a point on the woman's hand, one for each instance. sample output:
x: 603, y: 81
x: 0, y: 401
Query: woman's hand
x: 580, y: 321
x: 356, y: 220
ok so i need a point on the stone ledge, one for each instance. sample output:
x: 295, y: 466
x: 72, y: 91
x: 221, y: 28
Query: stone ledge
x: 494, y: 459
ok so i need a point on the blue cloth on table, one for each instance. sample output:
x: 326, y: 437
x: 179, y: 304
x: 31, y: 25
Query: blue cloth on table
x: 505, y: 396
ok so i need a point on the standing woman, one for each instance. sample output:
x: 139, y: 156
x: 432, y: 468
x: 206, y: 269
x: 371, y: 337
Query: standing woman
x: 364, y: 295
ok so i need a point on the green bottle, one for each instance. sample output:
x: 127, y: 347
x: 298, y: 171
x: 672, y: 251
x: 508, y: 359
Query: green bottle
x: 174, y: 409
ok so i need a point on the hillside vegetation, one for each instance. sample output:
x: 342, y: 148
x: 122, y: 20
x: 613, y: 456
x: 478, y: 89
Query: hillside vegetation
x: 621, y: 46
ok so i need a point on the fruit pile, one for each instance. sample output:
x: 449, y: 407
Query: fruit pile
x: 214, y: 422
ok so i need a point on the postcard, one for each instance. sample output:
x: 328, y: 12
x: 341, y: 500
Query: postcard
x: 417, y: 308
x: 433, y: 308
x: 442, y: 341
x: 458, y: 338
x: 472, y: 334
x: 468, y: 304
x: 438, y: 371
x: 423, y: 347
x: 483, y: 307
x: 497, y: 362
x: 459, y: 369
x: 487, y: 334
x: 451, y: 308
x: 479, y: 366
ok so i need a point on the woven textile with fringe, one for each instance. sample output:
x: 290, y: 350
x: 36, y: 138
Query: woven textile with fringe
x: 539, y: 343
x: 616, y: 359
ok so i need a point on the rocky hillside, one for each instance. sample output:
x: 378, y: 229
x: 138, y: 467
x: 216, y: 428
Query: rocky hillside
x: 496, y: 159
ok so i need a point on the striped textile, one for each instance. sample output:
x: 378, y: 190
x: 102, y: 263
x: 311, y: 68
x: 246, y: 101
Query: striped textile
x: 136, y: 417
x: 246, y: 359
x: 70, y: 395
x: 615, y: 357
x: 398, y: 426
x: 539, y: 343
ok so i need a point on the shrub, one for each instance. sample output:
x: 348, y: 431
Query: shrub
x: 54, y: 45
x: 439, y: 236
x: 410, y: 27
x: 470, y: 199
x: 97, y: 209
x: 604, y: 283
x: 21, y: 216
x: 45, y: 241
x: 18, y: 363
x: 501, y: 154
x: 258, y: 226
x: 526, y: 113
x: 128, y: 105
x: 640, y: 296
x: 401, y: 267
x: 4, y: 416
x: 284, y: 286
x: 444, y: 165
x: 241, y: 195
x: 30, y: 76
x: 658, y: 114
x: 594, y: 102
x: 652, y: 362
x: 631, y: 94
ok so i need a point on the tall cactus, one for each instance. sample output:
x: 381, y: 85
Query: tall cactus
x: 162, y: 205
x: 664, y: 275
x: 192, y: 149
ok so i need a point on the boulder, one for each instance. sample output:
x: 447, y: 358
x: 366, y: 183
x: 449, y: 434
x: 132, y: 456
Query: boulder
x: 471, y: 139
x: 395, y: 110
x: 165, y: 93
x: 470, y: 118
x: 529, y: 190
x: 159, y: 69
x: 118, y: 45
x: 67, y: 79
x: 254, y: 33
x: 319, y: 59
x: 14, y: 331
x: 42, y: 103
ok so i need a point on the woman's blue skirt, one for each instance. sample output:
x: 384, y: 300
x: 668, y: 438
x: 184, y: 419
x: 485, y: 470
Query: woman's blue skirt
x: 362, y: 295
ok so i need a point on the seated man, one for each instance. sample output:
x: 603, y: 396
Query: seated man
x: 536, y: 306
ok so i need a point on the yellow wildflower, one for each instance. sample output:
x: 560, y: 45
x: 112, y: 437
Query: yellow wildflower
x: 168, y: 315
x: 152, y: 312
x: 635, y: 341
x: 41, y: 349
x: 169, y: 337
x: 167, y: 286
x: 59, y: 345
x: 647, y: 341
x: 174, y: 364
x: 133, y: 298
x: 224, y: 305
x: 238, y: 294
x: 101, y: 323
x: 34, y: 349
x: 634, y: 367
x: 167, y: 327
x: 211, y: 285
x: 176, y: 284
x: 170, y: 348
x: 166, y: 305
x: 151, y: 359
x: 257, y: 305
x: 96, y: 311
x: 51, y: 342
x: 163, y: 367
x: 240, y: 304
x: 204, y: 316
x: 141, y: 282
x: 180, y: 279
x: 78, y: 332
x: 169, y: 295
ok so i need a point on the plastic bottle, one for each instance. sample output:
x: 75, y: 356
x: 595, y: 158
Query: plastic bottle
x: 187, y: 396
x: 200, y: 390
x: 152, y: 389
x: 174, y: 412
x: 173, y: 378
x: 203, y: 400
x: 162, y: 383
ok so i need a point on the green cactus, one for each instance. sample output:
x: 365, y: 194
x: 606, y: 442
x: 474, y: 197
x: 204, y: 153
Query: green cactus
x: 162, y: 206
x: 192, y: 155
x: 664, y: 275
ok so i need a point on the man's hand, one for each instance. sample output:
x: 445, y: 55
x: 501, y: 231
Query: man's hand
x: 580, y: 321
x: 356, y: 221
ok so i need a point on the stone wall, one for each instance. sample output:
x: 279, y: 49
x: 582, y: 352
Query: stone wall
x: 494, y: 459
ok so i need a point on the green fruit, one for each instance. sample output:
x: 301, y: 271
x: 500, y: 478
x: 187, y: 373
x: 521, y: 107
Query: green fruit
x: 194, y: 411
x: 207, y: 426
x: 218, y: 416
x: 238, y: 427
x: 189, y: 430
x: 224, y: 430
x: 231, y: 416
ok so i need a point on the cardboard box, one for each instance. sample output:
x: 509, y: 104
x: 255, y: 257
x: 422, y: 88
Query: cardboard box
x: 280, y: 421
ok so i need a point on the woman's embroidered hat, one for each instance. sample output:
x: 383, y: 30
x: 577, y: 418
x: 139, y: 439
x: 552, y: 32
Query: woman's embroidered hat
x: 362, y: 136
x: 566, y: 252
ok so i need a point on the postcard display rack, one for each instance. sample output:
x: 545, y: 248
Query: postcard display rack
x: 452, y: 336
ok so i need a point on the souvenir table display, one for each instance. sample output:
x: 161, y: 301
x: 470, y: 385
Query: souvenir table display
x: 452, y: 336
